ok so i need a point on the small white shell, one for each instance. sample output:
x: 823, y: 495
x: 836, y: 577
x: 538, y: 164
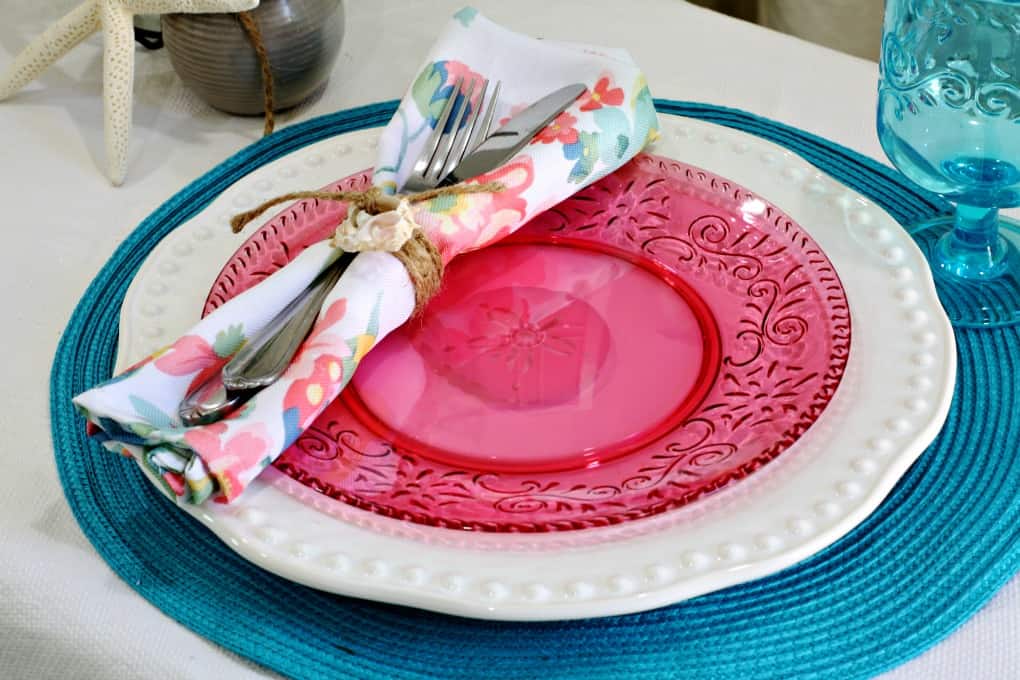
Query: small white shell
x: 386, y: 231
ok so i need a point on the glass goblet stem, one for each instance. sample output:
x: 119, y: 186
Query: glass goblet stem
x: 973, y: 249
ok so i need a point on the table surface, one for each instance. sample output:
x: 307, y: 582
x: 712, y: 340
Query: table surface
x: 57, y: 596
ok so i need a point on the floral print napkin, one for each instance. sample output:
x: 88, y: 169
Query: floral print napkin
x: 135, y: 413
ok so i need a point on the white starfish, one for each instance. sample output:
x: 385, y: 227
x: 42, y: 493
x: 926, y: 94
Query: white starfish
x: 116, y: 19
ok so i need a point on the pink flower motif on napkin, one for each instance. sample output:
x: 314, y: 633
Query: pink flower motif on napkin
x: 307, y: 395
x: 186, y: 356
x: 244, y: 449
x: 604, y: 95
x: 192, y: 354
x: 561, y: 130
x: 467, y: 221
x: 319, y: 371
x: 458, y: 69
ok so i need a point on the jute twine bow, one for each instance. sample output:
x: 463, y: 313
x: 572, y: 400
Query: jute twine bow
x: 421, y: 258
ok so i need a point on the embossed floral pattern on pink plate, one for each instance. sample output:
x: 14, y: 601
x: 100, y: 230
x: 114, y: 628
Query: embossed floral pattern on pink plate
x: 657, y: 336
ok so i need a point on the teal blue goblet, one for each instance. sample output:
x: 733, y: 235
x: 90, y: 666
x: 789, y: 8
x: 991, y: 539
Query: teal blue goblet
x: 949, y: 119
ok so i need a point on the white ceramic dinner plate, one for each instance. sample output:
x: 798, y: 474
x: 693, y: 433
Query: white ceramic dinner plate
x: 892, y: 401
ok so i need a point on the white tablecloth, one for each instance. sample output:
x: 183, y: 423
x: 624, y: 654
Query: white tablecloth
x: 63, y: 613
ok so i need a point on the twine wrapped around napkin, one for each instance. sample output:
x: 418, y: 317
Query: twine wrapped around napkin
x: 135, y: 413
x: 390, y: 227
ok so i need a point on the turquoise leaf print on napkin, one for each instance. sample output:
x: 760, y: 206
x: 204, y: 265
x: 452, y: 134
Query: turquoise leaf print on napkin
x: 152, y: 414
x: 615, y: 135
x: 425, y: 89
x: 291, y: 426
x: 586, y: 152
x: 229, y: 341
x: 465, y: 16
x: 434, y: 85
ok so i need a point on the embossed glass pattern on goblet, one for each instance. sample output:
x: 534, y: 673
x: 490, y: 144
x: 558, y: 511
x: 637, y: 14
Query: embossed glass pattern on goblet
x: 949, y: 119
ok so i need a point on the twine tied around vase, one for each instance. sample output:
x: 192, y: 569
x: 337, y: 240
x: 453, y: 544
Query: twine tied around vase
x: 251, y: 29
x: 389, y: 227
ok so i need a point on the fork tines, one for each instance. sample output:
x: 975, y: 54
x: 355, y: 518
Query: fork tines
x: 457, y: 132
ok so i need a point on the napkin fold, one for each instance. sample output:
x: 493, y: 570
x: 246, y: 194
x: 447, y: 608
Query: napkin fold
x: 135, y: 413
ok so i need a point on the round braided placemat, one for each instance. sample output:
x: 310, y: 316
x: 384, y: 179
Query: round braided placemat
x: 934, y: 552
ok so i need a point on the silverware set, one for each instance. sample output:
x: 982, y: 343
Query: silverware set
x: 446, y: 148
x: 460, y: 147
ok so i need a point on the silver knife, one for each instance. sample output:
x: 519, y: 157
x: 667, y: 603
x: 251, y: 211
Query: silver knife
x: 507, y: 140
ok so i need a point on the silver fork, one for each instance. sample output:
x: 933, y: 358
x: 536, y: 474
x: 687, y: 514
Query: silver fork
x: 451, y: 141
x: 262, y: 360
x: 265, y: 357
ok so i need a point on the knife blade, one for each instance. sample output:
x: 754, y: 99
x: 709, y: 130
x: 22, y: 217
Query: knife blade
x: 507, y: 140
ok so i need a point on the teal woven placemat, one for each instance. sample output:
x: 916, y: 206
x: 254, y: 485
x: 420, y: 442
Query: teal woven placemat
x: 936, y: 550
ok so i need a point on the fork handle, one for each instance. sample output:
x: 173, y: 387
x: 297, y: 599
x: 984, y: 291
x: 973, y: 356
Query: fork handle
x: 267, y: 355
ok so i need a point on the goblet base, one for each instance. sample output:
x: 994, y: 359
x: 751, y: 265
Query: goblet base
x: 974, y: 294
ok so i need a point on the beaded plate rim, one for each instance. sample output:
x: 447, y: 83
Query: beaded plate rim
x: 728, y: 538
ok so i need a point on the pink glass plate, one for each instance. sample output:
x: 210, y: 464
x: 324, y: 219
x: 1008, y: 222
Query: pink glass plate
x: 660, y: 334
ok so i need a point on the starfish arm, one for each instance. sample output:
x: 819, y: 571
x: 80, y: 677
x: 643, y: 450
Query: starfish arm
x: 55, y: 42
x: 188, y: 6
x: 118, y: 83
